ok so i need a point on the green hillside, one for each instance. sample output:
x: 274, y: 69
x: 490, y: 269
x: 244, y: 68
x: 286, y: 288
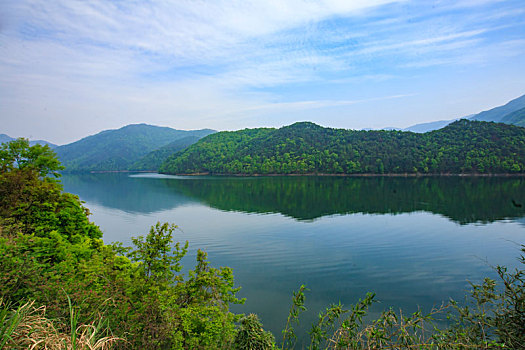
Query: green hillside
x: 306, y: 148
x: 114, y: 150
x: 515, y: 118
x: 153, y: 160
x: 212, y: 150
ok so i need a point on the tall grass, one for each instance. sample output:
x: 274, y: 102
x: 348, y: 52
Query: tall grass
x: 27, y: 327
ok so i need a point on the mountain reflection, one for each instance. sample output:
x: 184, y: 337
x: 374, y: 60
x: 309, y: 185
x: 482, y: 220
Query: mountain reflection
x: 461, y: 199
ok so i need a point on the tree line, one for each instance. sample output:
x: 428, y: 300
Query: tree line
x: 464, y: 146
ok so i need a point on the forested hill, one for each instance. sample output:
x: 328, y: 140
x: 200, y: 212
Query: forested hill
x: 153, y: 160
x: 306, y: 148
x: 114, y: 150
x: 516, y: 118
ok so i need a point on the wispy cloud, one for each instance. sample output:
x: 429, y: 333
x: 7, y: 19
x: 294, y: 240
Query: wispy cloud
x: 312, y: 104
x: 188, y: 62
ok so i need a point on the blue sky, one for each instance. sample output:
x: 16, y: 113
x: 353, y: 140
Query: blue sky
x: 70, y: 68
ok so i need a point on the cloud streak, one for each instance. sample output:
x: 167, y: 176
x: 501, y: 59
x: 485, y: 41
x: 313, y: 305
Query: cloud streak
x: 186, y: 64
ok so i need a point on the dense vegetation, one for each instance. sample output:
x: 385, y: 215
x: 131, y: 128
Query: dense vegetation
x: 153, y: 160
x: 52, y: 255
x: 114, y: 150
x: 306, y: 148
x: 49, y: 252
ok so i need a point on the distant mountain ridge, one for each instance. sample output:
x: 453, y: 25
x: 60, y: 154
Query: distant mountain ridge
x: 6, y: 138
x: 426, y: 127
x: 497, y: 114
x: 143, y: 147
x: 463, y: 147
x: 117, y: 150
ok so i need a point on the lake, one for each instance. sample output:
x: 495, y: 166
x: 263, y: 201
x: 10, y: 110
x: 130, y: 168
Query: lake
x: 413, y: 241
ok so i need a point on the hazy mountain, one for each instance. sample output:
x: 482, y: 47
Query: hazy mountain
x: 115, y: 150
x: 515, y: 118
x: 7, y: 138
x: 497, y: 115
x: 153, y: 160
x: 464, y: 146
x: 425, y: 127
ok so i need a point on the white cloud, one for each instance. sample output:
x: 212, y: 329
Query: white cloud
x: 190, y: 61
x: 192, y: 30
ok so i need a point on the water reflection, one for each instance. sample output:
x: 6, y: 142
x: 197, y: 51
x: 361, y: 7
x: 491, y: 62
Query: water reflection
x: 463, y: 200
x: 332, y: 235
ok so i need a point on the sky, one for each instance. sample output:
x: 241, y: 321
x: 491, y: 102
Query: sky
x: 69, y: 68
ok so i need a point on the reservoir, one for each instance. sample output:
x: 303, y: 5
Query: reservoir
x: 415, y: 242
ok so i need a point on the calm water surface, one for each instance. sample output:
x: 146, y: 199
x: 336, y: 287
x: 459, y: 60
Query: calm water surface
x: 412, y: 241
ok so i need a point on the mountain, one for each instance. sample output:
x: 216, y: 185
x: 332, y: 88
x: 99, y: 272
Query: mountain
x: 153, y: 160
x: 497, y: 115
x: 425, y: 127
x: 7, y: 138
x: 305, y: 148
x: 115, y: 150
x: 515, y: 118
x: 43, y: 143
x: 4, y: 138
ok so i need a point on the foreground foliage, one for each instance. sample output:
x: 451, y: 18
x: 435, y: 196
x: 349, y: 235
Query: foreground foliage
x: 490, y: 318
x: 100, y: 296
x: 27, y: 327
x: 49, y: 252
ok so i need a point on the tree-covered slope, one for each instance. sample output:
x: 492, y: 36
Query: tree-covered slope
x: 304, y: 148
x: 515, y: 118
x: 153, y: 160
x: 113, y: 150
x: 53, y: 256
x: 211, y: 151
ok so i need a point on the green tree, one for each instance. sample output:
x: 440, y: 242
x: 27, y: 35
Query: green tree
x: 19, y: 155
x: 50, y: 250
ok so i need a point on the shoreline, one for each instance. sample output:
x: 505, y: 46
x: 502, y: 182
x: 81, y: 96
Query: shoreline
x: 354, y: 175
x: 307, y: 174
